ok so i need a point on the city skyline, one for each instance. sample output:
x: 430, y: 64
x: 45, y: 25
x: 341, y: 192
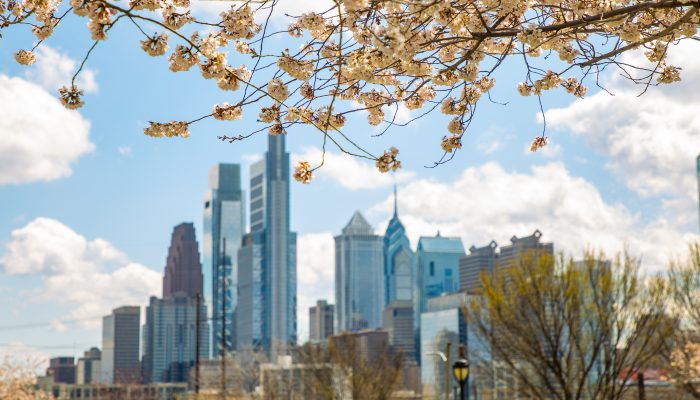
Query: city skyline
x: 119, y: 195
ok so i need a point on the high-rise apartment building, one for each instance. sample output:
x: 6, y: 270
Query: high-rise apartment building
x: 359, y: 277
x: 267, y: 260
x: 399, y: 261
x: 120, y: 346
x: 479, y: 261
x: 88, y: 367
x: 321, y: 321
x: 183, y: 269
x: 170, y: 338
x: 224, y: 221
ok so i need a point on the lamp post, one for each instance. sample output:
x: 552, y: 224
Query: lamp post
x: 461, y: 372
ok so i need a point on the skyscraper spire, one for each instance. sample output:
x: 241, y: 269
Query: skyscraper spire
x: 396, y: 201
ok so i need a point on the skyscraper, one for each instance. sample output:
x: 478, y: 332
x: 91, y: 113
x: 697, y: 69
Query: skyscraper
x: 170, y: 338
x: 320, y: 321
x: 268, y: 257
x: 437, y: 272
x: 183, y: 269
x: 527, y: 246
x: 224, y: 218
x: 480, y: 260
x: 88, y: 368
x: 62, y: 369
x: 399, y: 261
x: 359, y: 276
x: 120, y: 346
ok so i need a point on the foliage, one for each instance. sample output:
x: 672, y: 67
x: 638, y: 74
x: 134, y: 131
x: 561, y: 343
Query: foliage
x: 572, y: 330
x: 18, y: 381
x: 379, y: 56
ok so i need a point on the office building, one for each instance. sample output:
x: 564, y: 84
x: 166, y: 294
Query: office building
x: 398, y: 322
x: 479, y: 261
x: 267, y: 259
x: 172, y: 338
x: 120, y: 346
x: 224, y: 221
x: 399, y: 261
x: 62, y: 369
x: 366, y: 345
x: 527, y: 246
x: 88, y: 367
x: 445, y: 322
x: 320, y: 321
x: 359, y: 277
x: 183, y: 269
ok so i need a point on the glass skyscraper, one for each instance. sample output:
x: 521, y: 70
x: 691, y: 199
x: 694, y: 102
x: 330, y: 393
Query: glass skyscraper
x: 359, y: 276
x: 267, y: 260
x: 437, y: 260
x: 399, y: 261
x: 120, y: 346
x: 224, y: 218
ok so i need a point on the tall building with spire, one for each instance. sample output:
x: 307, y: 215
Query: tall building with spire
x: 183, y: 269
x: 399, y: 261
x: 267, y: 260
x: 224, y: 221
x: 359, y: 276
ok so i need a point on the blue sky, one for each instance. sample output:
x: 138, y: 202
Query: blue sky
x: 87, y: 202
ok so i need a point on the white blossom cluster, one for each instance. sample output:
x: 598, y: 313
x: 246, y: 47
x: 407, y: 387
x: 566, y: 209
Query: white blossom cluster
x: 375, y: 56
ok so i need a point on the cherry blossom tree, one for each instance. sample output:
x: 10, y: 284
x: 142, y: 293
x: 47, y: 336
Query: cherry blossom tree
x: 374, y: 56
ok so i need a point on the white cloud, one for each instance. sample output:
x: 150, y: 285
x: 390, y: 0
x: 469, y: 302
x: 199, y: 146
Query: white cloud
x: 39, y: 138
x: 92, y: 275
x: 651, y: 141
x: 315, y: 275
x: 19, y: 354
x: 53, y: 70
x: 489, y: 148
x: 251, y: 158
x: 124, y: 150
x: 488, y: 202
x: 350, y: 172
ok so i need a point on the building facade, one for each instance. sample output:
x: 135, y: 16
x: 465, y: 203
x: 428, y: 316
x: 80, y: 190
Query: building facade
x: 120, y: 346
x: 321, y: 318
x: 479, y: 261
x: 268, y: 256
x: 183, y: 268
x: 224, y: 221
x: 399, y: 261
x: 359, y: 277
x: 88, y: 367
x: 398, y: 322
x: 527, y: 246
x: 62, y: 369
x: 172, y: 338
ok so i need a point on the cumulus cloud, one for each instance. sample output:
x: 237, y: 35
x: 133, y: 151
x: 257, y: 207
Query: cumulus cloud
x: 651, y: 141
x: 350, y: 172
x: 39, y: 138
x: 54, y: 69
x: 92, y: 275
x: 488, y: 202
x: 315, y: 275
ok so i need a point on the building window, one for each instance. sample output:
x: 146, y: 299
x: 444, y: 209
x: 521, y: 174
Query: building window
x: 432, y: 268
x: 206, y: 204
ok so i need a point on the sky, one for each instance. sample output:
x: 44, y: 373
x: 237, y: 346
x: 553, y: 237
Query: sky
x: 88, y: 202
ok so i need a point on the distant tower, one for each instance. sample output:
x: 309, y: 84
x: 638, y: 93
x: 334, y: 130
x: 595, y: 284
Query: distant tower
x: 320, y: 321
x: 267, y: 312
x: 224, y: 218
x: 359, y: 276
x: 480, y: 260
x: 399, y: 261
x: 120, y: 346
x: 437, y: 272
x: 183, y: 270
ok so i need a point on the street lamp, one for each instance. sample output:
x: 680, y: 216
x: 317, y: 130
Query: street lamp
x: 461, y: 372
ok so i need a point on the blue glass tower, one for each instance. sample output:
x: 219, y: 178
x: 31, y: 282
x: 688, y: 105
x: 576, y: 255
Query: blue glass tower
x: 359, y: 277
x: 399, y: 261
x: 268, y: 298
x: 224, y: 218
x: 437, y: 272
